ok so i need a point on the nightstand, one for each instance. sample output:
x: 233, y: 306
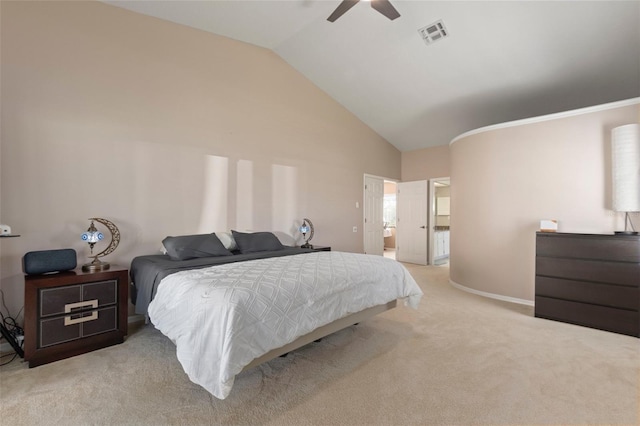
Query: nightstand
x: 320, y: 248
x: 73, y: 312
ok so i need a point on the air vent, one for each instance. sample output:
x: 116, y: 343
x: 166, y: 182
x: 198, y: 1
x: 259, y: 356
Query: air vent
x: 433, y: 32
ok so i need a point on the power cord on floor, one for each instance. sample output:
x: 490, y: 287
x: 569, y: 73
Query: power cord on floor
x: 11, y: 331
x: 15, y: 355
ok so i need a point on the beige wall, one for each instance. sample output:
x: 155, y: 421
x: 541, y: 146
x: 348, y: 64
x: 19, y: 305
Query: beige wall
x: 505, y: 180
x: 424, y: 164
x: 165, y: 130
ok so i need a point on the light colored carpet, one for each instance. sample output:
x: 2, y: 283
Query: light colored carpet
x: 459, y: 360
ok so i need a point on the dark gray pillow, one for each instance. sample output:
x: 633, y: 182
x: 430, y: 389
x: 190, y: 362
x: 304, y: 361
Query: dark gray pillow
x: 191, y: 246
x: 256, y: 241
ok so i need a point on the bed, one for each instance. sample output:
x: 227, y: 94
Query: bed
x: 231, y: 312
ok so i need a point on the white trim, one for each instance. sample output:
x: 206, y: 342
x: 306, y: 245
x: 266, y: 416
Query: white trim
x: 549, y: 117
x: 492, y: 295
x: 377, y: 177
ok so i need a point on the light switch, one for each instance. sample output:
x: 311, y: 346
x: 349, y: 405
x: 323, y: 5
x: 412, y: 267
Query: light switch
x: 355, y: 229
x: 357, y: 205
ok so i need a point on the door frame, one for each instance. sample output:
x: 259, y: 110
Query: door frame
x: 431, y: 207
x: 364, y: 207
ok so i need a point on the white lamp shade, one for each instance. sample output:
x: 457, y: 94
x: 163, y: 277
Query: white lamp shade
x: 625, y: 156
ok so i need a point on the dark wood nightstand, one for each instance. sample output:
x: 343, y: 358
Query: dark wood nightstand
x: 320, y: 248
x: 74, y: 312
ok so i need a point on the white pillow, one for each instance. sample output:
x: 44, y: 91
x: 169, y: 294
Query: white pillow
x: 226, y: 238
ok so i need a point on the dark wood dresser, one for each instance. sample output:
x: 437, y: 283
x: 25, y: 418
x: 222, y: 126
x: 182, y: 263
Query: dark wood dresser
x: 590, y: 280
x: 70, y: 313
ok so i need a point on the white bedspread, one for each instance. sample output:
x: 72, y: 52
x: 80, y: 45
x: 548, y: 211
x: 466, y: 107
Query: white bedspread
x: 222, y: 317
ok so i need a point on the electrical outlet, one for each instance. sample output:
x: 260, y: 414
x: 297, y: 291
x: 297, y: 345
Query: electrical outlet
x: 355, y: 229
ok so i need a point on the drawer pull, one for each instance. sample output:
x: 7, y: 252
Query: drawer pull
x: 86, y: 304
x: 69, y: 321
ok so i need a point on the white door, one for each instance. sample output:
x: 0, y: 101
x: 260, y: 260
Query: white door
x: 411, y: 226
x: 373, y: 220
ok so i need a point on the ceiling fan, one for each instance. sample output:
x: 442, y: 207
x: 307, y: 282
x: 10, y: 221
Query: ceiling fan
x: 382, y: 6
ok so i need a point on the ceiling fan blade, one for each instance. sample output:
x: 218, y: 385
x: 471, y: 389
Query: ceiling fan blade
x: 342, y: 9
x: 385, y: 7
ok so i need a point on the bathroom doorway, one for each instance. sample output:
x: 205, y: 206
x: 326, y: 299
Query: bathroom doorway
x: 439, y: 220
x: 379, y: 216
x: 389, y: 218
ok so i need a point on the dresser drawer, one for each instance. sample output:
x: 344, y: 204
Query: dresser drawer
x: 63, y: 329
x: 601, y: 317
x: 589, y: 270
x: 73, y: 298
x: 586, y: 247
x: 615, y: 296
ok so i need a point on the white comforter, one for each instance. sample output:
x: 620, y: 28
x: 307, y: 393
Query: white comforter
x: 222, y: 317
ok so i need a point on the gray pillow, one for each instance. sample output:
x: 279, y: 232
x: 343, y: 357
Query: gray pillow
x: 256, y: 241
x: 191, y: 246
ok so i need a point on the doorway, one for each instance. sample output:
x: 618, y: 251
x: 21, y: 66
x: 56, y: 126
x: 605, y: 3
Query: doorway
x: 379, y: 215
x: 412, y: 222
x: 389, y: 212
x: 439, y: 220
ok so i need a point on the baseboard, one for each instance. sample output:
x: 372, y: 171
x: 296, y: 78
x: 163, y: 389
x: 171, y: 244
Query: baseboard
x: 5, y: 347
x: 492, y: 295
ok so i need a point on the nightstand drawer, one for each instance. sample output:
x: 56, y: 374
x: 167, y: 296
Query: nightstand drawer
x: 58, y: 330
x: 74, y: 298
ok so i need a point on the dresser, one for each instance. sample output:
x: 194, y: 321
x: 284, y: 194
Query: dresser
x: 590, y: 280
x: 70, y: 313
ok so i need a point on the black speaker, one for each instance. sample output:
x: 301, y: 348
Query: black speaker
x: 44, y: 261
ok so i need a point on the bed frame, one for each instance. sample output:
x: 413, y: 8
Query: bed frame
x: 321, y: 332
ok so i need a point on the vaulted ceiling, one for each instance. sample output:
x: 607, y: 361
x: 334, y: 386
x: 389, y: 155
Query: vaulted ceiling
x: 500, y: 61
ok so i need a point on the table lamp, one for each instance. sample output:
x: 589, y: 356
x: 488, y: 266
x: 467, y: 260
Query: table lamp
x: 92, y: 236
x: 306, y: 228
x: 625, y: 158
